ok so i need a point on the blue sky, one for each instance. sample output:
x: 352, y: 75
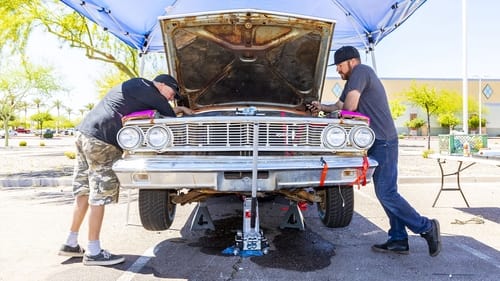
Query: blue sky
x: 427, y: 45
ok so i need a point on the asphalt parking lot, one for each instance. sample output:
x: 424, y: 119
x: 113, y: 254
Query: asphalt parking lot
x: 35, y: 220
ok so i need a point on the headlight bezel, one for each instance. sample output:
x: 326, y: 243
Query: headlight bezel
x: 138, y: 135
x: 355, y: 139
x: 326, y: 140
x: 166, y: 141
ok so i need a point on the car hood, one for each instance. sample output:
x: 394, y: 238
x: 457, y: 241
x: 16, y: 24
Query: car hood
x: 247, y: 57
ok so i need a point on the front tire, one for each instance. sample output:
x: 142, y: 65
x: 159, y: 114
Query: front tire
x: 156, y: 209
x: 337, y: 206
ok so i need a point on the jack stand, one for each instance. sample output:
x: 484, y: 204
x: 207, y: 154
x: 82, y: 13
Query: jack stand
x: 201, y: 218
x: 293, y: 217
x: 252, y: 238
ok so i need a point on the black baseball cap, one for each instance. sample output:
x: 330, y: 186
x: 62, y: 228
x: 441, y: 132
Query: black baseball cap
x: 345, y: 53
x: 169, y: 81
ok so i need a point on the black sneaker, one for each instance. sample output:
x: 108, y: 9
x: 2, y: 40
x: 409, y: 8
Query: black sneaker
x: 103, y: 258
x: 69, y: 251
x: 433, y: 238
x: 393, y: 246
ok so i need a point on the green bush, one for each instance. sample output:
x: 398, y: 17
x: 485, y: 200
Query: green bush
x: 48, y: 134
x: 474, y: 122
x: 70, y: 154
x: 42, y: 143
x: 415, y: 123
x: 23, y: 143
x: 426, y: 153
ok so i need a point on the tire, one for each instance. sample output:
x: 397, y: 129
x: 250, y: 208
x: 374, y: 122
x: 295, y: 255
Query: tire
x: 337, y: 206
x: 156, y: 209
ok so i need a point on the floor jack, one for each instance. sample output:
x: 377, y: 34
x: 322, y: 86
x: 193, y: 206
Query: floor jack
x: 251, y: 239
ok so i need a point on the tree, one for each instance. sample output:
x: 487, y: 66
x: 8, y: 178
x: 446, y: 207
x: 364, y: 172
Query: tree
x: 430, y: 100
x: 89, y: 106
x: 37, y: 102
x: 40, y: 118
x: 18, y: 83
x: 397, y: 108
x: 23, y: 105
x: 69, y: 110
x: 58, y: 104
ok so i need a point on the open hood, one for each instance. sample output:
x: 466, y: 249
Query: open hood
x: 247, y: 57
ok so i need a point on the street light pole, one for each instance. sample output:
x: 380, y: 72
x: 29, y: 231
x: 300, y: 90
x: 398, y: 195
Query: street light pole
x: 480, y: 102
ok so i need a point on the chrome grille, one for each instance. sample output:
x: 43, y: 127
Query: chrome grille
x: 241, y: 134
x: 231, y: 134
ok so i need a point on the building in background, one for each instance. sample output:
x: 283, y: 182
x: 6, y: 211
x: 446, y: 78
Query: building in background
x: 490, y: 98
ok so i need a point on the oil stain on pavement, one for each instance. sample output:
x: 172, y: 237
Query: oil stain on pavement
x: 297, y: 250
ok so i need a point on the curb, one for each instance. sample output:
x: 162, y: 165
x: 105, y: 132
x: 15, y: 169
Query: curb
x: 36, y: 182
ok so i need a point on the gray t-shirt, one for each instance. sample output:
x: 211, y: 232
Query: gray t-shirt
x: 372, y: 102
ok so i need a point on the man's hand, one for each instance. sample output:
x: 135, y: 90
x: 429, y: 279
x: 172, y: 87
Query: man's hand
x: 183, y: 110
x: 315, y: 107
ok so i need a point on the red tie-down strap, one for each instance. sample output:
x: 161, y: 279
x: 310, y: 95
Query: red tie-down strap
x: 323, y: 172
x: 361, y: 173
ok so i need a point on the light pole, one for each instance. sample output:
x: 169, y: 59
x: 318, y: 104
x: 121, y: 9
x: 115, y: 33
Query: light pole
x: 479, y: 100
x: 479, y: 97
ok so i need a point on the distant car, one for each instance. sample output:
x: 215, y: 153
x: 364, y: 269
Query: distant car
x: 23, y: 130
x: 69, y: 132
x: 11, y: 133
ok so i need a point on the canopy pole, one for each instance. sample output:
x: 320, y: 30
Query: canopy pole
x: 141, y: 64
x: 372, y: 52
x: 371, y: 49
x: 465, y: 111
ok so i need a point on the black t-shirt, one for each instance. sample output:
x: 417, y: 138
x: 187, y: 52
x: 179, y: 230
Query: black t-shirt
x: 372, y: 102
x: 105, y: 119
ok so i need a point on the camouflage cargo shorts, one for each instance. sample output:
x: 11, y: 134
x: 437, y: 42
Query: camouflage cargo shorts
x: 93, y: 175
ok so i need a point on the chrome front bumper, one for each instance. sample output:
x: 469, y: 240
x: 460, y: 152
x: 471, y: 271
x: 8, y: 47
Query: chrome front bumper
x: 229, y: 173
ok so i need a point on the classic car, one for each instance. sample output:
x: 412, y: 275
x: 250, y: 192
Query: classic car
x: 248, y: 75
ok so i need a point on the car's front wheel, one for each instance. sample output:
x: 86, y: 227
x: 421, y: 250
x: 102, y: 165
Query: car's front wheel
x: 337, y: 205
x: 156, y: 209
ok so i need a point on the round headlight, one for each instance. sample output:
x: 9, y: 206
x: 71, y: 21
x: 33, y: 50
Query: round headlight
x: 334, y: 137
x: 159, y: 137
x: 130, y: 137
x: 362, y: 137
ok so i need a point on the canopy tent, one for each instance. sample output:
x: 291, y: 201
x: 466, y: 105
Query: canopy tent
x: 359, y: 23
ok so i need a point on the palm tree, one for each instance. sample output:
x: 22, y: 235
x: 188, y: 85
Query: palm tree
x: 89, y: 106
x: 37, y: 102
x: 24, y: 107
x: 58, y: 105
x: 69, y: 110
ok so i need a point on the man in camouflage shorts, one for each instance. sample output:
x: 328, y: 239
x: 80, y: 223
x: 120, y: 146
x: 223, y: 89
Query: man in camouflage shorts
x: 98, y: 181
x: 95, y: 184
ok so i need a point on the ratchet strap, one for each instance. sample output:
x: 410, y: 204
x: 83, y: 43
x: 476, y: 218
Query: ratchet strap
x: 361, y: 177
x: 323, y: 172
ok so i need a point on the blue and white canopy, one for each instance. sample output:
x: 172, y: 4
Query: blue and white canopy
x: 360, y: 23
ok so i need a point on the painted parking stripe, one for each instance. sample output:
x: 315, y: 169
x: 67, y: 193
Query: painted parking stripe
x: 480, y: 255
x: 137, y: 266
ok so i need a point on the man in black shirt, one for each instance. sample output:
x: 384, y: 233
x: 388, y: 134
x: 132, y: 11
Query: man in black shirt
x: 94, y: 182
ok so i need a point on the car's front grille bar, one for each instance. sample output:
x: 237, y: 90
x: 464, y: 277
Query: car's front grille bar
x: 231, y: 134
x: 241, y: 134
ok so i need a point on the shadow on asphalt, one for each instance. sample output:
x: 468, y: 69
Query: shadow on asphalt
x: 489, y: 213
